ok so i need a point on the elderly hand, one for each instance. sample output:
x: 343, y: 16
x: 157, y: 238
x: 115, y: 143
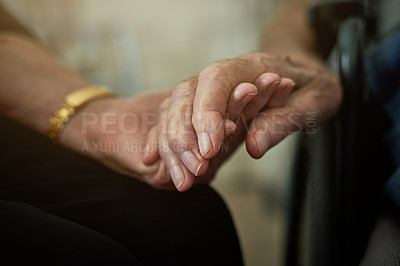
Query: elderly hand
x: 114, y: 132
x: 196, y: 123
x: 317, y: 91
x: 175, y: 141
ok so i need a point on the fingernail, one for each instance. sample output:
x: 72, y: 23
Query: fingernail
x: 204, y: 143
x: 231, y: 129
x: 262, y: 141
x: 198, y: 169
x: 266, y: 83
x: 177, y: 175
x: 191, y: 161
x: 253, y: 93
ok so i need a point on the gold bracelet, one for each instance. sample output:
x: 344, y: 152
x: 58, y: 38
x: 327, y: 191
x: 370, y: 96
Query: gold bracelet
x: 72, y: 103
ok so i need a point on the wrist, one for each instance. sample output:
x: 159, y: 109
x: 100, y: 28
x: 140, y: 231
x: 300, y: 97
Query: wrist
x: 72, y: 103
x: 77, y: 133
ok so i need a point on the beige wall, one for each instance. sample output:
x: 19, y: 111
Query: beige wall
x: 175, y: 38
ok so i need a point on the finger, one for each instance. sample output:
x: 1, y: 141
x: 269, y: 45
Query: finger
x: 215, y: 85
x: 161, y: 179
x: 181, y: 177
x: 239, y: 98
x: 229, y: 128
x: 181, y: 135
x: 208, y: 123
x: 151, y: 154
x: 171, y: 169
x: 281, y: 93
x: 266, y: 83
x: 271, y: 126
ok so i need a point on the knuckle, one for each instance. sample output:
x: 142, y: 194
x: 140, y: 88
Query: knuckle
x: 191, y: 82
x: 261, y: 58
x: 218, y: 73
x: 165, y: 104
x: 180, y: 142
x: 174, y: 139
x: 208, y: 120
x: 196, y: 118
x: 183, y: 91
x: 180, y: 119
x: 197, y: 121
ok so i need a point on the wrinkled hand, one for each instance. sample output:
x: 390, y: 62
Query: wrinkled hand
x: 114, y: 131
x: 174, y: 139
x: 317, y: 91
x: 196, y: 125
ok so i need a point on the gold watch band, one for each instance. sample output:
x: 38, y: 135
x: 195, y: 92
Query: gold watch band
x: 72, y: 103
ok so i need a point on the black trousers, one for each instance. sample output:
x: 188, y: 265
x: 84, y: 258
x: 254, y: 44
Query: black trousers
x: 61, y: 208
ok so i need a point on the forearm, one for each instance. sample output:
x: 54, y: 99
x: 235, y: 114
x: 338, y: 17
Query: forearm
x: 9, y: 24
x: 289, y: 31
x: 32, y: 83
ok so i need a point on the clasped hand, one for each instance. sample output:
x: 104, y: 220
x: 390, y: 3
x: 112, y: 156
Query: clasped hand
x: 257, y: 98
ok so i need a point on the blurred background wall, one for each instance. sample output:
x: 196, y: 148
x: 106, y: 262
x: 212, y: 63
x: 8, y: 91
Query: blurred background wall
x: 148, y: 45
